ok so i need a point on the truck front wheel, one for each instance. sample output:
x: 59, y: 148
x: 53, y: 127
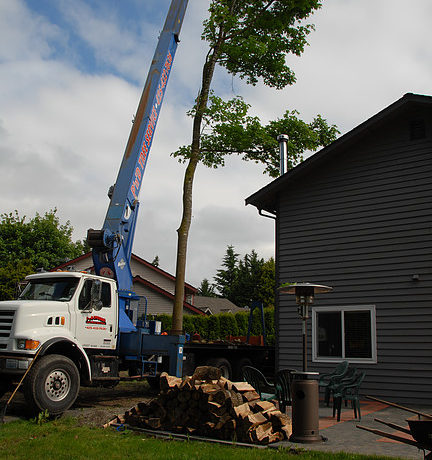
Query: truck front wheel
x: 52, y: 384
x: 5, y: 386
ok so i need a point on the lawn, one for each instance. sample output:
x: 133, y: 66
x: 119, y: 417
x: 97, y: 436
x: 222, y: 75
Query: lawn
x: 65, y: 439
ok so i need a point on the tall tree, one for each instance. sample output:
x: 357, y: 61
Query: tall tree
x: 206, y: 289
x: 247, y: 279
x: 267, y: 283
x: 250, y: 39
x: 42, y: 242
x: 225, y: 276
x: 246, y: 286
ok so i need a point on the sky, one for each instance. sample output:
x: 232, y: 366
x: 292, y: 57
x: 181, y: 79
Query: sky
x: 71, y: 75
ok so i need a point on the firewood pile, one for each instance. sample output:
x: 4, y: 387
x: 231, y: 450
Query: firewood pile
x: 209, y: 405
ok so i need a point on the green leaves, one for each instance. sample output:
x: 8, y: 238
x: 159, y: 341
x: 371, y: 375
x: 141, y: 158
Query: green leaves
x: 229, y: 129
x: 206, y: 289
x: 257, y: 37
x: 247, y: 279
x: 42, y: 242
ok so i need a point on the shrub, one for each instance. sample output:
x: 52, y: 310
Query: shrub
x: 218, y: 327
x: 228, y: 325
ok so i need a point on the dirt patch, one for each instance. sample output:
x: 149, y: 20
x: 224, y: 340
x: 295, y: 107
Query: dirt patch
x: 94, y: 406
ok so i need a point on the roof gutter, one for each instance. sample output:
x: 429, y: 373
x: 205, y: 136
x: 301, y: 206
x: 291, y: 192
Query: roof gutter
x: 270, y: 216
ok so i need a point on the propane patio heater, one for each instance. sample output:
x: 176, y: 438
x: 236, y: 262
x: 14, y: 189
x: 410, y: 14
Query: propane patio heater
x: 305, y: 293
x: 304, y: 389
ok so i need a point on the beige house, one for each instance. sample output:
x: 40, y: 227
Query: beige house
x: 215, y: 305
x: 154, y: 285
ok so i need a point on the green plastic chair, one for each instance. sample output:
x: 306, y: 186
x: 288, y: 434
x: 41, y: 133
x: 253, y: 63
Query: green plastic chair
x: 283, y: 379
x: 332, y: 378
x: 348, y: 378
x: 348, y: 392
x: 254, y: 377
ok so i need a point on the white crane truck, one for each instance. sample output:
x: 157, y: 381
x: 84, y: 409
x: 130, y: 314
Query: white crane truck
x: 69, y: 329
x: 73, y: 328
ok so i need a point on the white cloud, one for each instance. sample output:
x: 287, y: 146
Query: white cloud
x: 63, y: 132
x: 24, y: 35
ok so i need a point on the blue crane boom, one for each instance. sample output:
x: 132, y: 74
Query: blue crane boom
x: 112, y: 246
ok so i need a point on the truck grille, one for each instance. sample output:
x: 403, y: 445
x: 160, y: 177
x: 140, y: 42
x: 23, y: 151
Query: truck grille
x: 6, y: 321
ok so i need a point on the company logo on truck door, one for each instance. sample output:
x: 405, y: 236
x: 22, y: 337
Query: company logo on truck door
x: 148, y: 135
x: 96, y: 320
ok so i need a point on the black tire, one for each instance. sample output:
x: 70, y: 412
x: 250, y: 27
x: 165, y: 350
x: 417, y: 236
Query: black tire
x: 222, y: 364
x: 52, y: 384
x: 5, y: 386
x: 239, y: 364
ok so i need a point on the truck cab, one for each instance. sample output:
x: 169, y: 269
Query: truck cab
x: 70, y: 321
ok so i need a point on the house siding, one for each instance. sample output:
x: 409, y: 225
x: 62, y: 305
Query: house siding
x: 156, y: 303
x: 159, y: 279
x: 363, y: 225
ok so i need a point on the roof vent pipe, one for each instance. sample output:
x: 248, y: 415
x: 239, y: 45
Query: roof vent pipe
x: 283, y: 140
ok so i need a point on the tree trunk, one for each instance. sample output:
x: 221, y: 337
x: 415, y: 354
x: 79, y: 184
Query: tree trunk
x: 183, y: 230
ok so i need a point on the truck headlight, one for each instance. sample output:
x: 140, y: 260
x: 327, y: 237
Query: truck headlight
x: 27, y: 344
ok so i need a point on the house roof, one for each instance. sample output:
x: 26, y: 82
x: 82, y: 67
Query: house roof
x: 265, y: 198
x: 87, y: 255
x: 162, y: 272
x: 167, y: 294
x: 215, y: 305
x: 188, y: 287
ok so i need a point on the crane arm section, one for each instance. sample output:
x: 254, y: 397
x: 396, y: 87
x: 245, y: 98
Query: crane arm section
x: 112, y: 246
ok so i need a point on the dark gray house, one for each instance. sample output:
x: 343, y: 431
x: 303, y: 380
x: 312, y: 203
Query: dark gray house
x: 357, y: 216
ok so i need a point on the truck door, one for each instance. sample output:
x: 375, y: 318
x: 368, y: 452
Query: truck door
x: 96, y: 325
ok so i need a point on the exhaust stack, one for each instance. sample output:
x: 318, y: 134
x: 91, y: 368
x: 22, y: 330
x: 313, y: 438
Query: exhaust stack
x: 283, y: 140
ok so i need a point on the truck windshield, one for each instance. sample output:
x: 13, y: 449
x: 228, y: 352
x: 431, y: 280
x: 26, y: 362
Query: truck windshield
x: 60, y: 289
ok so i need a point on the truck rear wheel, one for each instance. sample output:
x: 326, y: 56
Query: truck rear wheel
x: 222, y: 364
x: 52, y: 384
x: 238, y: 371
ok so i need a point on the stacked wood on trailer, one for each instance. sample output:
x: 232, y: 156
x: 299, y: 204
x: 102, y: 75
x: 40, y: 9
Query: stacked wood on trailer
x: 207, y: 404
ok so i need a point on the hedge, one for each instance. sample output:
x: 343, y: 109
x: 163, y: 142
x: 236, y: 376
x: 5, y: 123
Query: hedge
x: 220, y: 326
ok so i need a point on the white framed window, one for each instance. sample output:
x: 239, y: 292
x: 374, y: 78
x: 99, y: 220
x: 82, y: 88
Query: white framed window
x: 344, y: 332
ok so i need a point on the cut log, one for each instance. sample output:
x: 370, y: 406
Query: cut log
x: 214, y: 408
x: 184, y: 395
x: 222, y: 420
x: 209, y: 388
x: 249, y: 396
x: 219, y: 396
x: 261, y: 433
x: 261, y: 406
x: 278, y: 420
x: 286, y: 431
x: 169, y: 381
x: 207, y: 373
x: 234, y: 399
x: 225, y: 383
x: 187, y: 384
x: 242, y: 410
x: 275, y: 437
x: 252, y: 420
x: 242, y: 387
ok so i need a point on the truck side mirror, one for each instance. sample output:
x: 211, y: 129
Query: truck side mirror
x: 96, y: 295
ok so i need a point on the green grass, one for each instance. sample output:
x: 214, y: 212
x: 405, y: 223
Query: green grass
x: 64, y: 439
